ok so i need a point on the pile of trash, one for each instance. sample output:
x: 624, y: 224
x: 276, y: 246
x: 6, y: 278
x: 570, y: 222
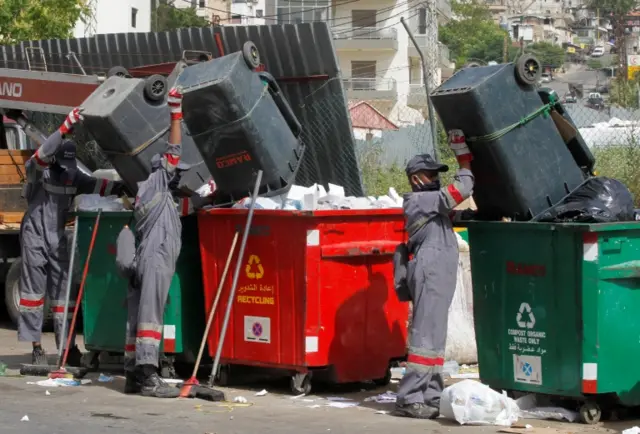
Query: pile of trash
x: 317, y: 197
x: 298, y: 198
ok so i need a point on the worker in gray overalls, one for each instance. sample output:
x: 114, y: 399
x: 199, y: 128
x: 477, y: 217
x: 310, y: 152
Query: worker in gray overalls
x: 149, y: 260
x: 53, y: 180
x: 431, y: 274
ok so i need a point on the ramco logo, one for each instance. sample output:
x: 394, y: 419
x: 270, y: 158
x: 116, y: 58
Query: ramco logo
x: 232, y: 160
x: 11, y: 89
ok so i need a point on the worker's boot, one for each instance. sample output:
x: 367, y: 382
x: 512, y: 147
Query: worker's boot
x: 38, y: 356
x: 132, y: 384
x: 153, y: 385
x: 74, y: 358
x: 416, y: 411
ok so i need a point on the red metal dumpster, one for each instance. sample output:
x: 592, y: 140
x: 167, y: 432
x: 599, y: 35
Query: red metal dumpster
x: 315, y: 295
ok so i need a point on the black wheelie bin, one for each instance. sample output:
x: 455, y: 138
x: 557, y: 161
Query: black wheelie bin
x: 522, y: 165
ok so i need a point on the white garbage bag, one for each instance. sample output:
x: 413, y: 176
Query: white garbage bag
x: 461, y: 335
x: 472, y: 403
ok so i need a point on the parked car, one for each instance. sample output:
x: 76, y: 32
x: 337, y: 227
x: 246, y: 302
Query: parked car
x: 603, y: 88
x: 597, y: 52
x: 569, y: 99
x: 545, y: 78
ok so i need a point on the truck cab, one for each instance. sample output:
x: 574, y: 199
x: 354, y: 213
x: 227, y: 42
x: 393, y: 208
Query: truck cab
x: 15, y: 136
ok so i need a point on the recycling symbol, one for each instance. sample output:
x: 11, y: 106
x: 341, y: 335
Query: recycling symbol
x: 254, y: 268
x: 525, y: 309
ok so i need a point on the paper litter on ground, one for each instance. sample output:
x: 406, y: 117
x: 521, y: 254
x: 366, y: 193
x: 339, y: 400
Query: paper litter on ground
x: 25, y: 418
x: 317, y: 198
x: 60, y: 382
x: 383, y: 398
x: 240, y: 400
x: 263, y: 392
x: 343, y: 404
x: 530, y: 408
x: 633, y: 430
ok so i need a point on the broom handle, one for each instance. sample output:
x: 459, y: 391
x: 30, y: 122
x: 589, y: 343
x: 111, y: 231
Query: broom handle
x: 82, y: 282
x: 215, y: 304
x: 65, y: 315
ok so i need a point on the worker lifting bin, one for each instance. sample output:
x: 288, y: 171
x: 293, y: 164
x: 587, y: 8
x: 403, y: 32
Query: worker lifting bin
x: 315, y: 293
x: 556, y: 310
x: 105, y: 298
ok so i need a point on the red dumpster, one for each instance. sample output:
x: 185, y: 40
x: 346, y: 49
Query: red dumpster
x: 315, y: 295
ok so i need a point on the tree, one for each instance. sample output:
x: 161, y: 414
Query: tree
x: 168, y: 17
x: 23, y: 20
x: 616, y: 11
x: 547, y: 53
x: 474, y: 35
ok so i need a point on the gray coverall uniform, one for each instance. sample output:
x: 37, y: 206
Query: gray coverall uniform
x: 431, y: 279
x: 49, y: 192
x: 158, y: 232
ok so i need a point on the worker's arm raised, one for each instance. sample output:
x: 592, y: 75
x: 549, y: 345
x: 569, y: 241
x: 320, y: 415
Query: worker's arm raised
x: 43, y: 157
x: 174, y: 148
x: 89, y: 185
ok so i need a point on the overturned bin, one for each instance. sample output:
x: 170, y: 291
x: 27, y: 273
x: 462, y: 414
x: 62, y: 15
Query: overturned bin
x: 104, y: 302
x: 556, y: 310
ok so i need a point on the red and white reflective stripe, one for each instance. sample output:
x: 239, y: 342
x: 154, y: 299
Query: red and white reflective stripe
x: 130, y: 348
x: 455, y: 193
x: 590, y: 246
x: 589, y: 378
x: 169, y: 341
x: 32, y: 303
x: 149, y: 334
x: 41, y: 163
x: 425, y: 361
x: 60, y: 309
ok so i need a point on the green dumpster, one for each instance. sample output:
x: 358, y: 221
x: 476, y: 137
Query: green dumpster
x: 104, y: 302
x: 557, y: 310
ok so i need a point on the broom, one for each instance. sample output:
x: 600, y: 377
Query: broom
x: 186, y: 390
x: 62, y: 372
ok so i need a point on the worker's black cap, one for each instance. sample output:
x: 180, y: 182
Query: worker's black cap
x: 66, y: 155
x: 424, y: 162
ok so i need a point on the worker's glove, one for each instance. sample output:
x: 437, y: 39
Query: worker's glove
x: 175, y: 104
x: 458, y: 145
x: 72, y: 119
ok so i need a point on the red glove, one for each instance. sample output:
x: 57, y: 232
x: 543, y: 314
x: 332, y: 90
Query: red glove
x: 174, y: 101
x: 458, y: 145
x: 73, y: 118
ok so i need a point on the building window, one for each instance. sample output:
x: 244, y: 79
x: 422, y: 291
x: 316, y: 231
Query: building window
x: 236, y: 19
x: 258, y: 13
x: 302, y: 11
x: 202, y: 4
x: 363, y: 74
x: 363, y: 21
x: 134, y: 17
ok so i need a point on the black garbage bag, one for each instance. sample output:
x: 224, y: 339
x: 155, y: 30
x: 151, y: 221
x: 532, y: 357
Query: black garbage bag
x: 597, y: 200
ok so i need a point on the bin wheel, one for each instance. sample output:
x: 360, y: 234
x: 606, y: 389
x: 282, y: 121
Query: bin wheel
x: 300, y: 384
x: 384, y: 381
x: 118, y: 71
x: 528, y: 70
x: 155, y: 87
x: 223, y: 376
x: 590, y: 413
x: 251, y: 54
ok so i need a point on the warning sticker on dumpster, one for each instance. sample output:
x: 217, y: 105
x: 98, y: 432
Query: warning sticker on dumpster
x: 257, y: 329
x: 527, y: 369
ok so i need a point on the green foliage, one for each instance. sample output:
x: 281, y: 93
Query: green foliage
x: 620, y: 162
x: 473, y: 35
x: 24, y: 20
x: 547, y: 53
x: 624, y: 93
x: 594, y: 64
x: 167, y: 17
x: 617, y: 7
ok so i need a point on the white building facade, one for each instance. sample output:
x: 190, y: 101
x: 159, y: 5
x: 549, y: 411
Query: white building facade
x: 116, y: 16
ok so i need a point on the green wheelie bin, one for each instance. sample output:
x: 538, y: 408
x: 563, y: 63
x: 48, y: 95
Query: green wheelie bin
x: 104, y: 301
x: 557, y: 310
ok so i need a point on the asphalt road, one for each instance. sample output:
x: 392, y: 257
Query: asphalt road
x: 102, y: 408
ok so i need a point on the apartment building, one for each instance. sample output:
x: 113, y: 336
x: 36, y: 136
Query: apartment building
x: 376, y: 56
x: 115, y: 16
x: 216, y: 11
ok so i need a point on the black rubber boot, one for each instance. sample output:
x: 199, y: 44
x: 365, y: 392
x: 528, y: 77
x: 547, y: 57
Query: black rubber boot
x: 74, y: 358
x: 38, y: 356
x: 132, y: 384
x: 153, y: 385
x: 416, y: 411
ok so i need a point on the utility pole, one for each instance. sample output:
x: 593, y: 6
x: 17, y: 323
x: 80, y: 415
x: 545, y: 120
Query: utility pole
x: 505, y: 49
x: 425, y: 78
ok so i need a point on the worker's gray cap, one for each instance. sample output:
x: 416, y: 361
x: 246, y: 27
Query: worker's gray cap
x: 424, y: 162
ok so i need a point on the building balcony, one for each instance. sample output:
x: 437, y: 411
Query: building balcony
x: 370, y: 88
x: 442, y: 54
x: 444, y: 8
x: 365, y: 38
